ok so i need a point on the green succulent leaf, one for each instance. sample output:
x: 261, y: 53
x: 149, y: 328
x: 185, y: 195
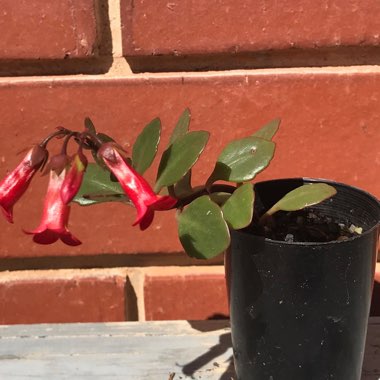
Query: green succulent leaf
x: 183, y: 187
x: 89, y: 125
x: 202, y: 229
x: 220, y: 197
x: 242, y: 159
x: 268, y: 131
x: 104, y: 138
x: 303, y: 196
x: 146, y: 145
x: 238, y: 210
x: 179, y: 158
x: 182, y: 126
x: 97, y: 187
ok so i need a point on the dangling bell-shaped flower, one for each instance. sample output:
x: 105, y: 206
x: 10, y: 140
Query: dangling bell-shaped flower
x: 55, y: 215
x: 14, y: 185
x: 73, y: 180
x: 135, y: 186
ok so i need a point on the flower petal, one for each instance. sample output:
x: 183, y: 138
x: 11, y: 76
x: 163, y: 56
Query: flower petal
x: 73, y: 180
x: 46, y: 237
x: 135, y: 186
x: 8, y: 212
x: 69, y: 239
x: 162, y: 203
x: 14, y: 185
x: 55, y: 215
x: 146, y: 220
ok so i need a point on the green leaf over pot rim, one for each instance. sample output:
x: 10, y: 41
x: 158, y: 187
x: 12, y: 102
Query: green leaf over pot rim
x: 202, y: 230
x: 238, y: 209
x: 303, y: 196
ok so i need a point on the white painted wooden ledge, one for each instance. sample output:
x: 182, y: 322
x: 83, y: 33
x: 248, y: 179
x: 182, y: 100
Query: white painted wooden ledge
x: 174, y: 350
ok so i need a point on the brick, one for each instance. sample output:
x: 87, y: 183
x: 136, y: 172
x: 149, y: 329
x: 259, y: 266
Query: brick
x: 171, y: 294
x: 42, y: 29
x: 180, y: 293
x: 201, y: 27
x: 330, y: 129
x: 375, y: 306
x: 61, y: 296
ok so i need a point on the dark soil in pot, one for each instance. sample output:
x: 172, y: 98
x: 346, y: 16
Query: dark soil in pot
x: 299, y: 310
x: 308, y: 225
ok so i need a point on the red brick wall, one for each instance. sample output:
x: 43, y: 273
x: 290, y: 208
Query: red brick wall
x: 236, y: 65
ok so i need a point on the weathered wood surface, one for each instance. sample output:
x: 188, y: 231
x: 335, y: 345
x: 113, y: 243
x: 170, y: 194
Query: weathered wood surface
x: 133, y: 351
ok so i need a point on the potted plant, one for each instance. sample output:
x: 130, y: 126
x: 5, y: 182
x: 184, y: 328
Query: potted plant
x: 299, y: 279
x: 300, y: 298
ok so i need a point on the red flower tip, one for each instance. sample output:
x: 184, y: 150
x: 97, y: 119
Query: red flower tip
x: 38, y: 157
x: 55, y: 216
x: 14, y: 185
x: 74, y: 177
x: 47, y: 236
x: 135, y: 186
x: 8, y: 213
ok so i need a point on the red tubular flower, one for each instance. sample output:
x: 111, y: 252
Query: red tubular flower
x: 135, y: 186
x: 74, y: 177
x: 14, y: 185
x: 55, y: 215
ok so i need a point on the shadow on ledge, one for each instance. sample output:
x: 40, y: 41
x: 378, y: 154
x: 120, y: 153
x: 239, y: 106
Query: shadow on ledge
x: 189, y: 369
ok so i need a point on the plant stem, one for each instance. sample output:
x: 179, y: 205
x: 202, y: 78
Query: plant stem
x: 60, y: 133
x: 65, y: 143
x: 202, y: 190
x: 93, y: 138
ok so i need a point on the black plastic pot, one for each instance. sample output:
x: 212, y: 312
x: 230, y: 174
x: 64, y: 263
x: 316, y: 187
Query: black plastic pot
x: 299, y: 311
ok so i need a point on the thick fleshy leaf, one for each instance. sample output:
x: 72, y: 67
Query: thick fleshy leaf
x: 183, y: 187
x: 220, y: 197
x: 268, y: 131
x: 303, y: 196
x: 104, y: 138
x: 179, y: 158
x: 202, y: 229
x: 97, y: 187
x: 238, y: 209
x: 145, y: 147
x: 241, y: 160
x: 89, y: 125
x: 182, y: 126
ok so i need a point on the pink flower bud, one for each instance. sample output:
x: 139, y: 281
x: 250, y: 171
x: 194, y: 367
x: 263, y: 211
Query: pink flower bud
x: 135, y: 186
x: 74, y: 177
x: 14, y: 185
x: 55, y: 215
